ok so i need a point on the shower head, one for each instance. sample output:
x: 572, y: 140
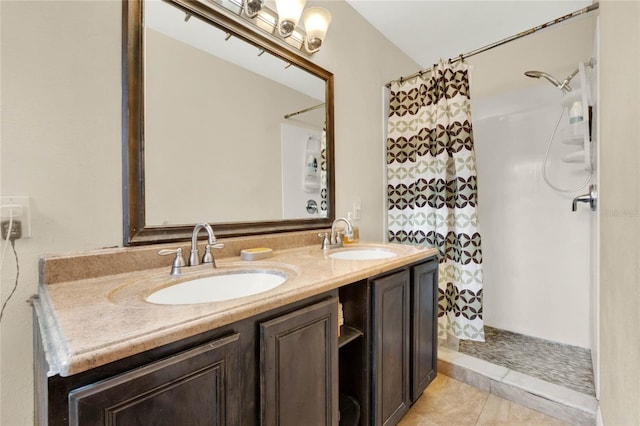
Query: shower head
x: 562, y: 85
x: 538, y: 74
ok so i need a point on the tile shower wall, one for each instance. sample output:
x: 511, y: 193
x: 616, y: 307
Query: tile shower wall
x: 536, y: 250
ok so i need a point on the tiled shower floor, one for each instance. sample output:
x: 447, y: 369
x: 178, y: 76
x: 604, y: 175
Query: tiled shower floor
x: 564, y: 365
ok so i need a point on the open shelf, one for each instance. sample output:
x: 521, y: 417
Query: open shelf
x: 574, y: 157
x: 349, y: 334
x: 354, y: 346
x: 574, y: 133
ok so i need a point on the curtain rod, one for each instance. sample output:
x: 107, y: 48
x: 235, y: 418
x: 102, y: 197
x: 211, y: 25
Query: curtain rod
x: 504, y: 41
x: 304, y: 110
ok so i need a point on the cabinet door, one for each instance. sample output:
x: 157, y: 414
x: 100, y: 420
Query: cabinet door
x: 195, y: 387
x: 424, y: 328
x: 299, y: 367
x: 391, y: 378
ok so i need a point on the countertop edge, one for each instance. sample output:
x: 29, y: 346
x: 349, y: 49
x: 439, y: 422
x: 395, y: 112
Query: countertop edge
x: 50, y: 336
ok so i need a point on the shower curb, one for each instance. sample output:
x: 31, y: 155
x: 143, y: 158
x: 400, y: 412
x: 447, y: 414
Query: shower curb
x: 553, y: 400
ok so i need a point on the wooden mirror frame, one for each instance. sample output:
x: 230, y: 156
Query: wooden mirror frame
x: 135, y: 230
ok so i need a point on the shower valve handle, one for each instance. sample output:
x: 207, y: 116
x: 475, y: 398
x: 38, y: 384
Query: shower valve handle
x: 591, y: 198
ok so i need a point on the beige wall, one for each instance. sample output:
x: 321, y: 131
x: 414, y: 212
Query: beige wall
x: 60, y: 136
x: 620, y: 213
x: 61, y: 142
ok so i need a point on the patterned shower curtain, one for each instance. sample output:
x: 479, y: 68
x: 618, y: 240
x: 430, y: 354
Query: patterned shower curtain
x: 432, y: 188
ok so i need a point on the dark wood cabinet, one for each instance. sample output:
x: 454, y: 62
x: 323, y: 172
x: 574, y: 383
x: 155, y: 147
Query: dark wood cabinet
x: 424, y: 326
x: 281, y: 367
x: 404, y: 339
x: 299, y: 367
x: 391, y: 314
x: 195, y: 387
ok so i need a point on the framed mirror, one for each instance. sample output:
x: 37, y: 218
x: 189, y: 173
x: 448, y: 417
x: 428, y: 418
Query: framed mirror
x: 221, y: 124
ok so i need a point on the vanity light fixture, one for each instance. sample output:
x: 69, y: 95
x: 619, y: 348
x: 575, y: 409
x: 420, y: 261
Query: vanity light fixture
x: 282, y: 23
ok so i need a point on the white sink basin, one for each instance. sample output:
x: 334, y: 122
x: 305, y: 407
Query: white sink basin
x: 217, y: 288
x: 362, y: 254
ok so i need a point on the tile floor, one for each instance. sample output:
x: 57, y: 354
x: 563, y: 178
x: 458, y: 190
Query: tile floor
x: 564, y: 365
x: 545, y: 397
x: 450, y: 402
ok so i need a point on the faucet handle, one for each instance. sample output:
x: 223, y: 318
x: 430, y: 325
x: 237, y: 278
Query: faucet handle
x: 178, y: 262
x: 208, y: 257
x: 325, y: 240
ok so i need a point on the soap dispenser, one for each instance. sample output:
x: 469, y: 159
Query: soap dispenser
x: 356, y: 232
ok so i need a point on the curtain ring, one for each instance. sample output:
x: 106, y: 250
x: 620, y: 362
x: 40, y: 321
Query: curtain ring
x: 461, y: 59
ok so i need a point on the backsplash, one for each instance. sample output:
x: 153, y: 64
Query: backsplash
x: 55, y: 269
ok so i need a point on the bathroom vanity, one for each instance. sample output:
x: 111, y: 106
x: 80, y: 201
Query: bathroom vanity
x: 104, y: 355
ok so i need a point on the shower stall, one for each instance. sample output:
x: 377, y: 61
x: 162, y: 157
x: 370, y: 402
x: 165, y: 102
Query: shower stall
x: 534, y: 112
x: 536, y: 248
x: 537, y: 160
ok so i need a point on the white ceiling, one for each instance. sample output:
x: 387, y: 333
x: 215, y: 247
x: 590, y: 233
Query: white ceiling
x: 427, y: 30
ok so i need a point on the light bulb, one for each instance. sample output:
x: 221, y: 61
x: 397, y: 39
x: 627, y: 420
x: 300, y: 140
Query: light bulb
x: 316, y: 22
x: 288, y: 15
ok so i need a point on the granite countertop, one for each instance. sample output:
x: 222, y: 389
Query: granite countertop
x: 86, y: 323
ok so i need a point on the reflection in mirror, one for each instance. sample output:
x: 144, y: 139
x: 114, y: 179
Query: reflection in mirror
x: 236, y: 133
x: 241, y: 159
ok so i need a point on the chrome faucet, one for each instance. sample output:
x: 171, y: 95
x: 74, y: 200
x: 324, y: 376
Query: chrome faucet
x: 194, y: 256
x: 334, y: 239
